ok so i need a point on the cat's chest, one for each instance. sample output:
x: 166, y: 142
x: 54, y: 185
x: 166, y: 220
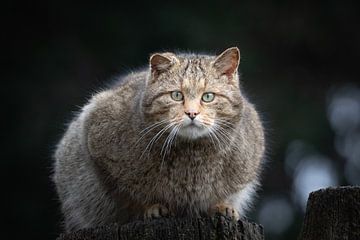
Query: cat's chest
x: 190, y: 180
x: 183, y: 176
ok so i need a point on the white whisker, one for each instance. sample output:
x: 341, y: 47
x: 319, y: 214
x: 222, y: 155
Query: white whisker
x: 155, y: 138
x: 167, y: 144
x: 148, y: 129
x: 210, y: 133
x: 226, y: 123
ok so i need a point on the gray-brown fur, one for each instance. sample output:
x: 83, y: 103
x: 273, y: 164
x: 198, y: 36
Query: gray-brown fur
x: 103, y: 173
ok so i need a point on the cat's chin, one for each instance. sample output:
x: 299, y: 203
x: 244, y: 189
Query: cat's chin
x: 193, y: 132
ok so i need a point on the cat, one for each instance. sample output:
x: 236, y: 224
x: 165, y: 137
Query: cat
x: 176, y: 139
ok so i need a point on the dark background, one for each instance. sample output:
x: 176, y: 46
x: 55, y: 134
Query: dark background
x: 300, y: 62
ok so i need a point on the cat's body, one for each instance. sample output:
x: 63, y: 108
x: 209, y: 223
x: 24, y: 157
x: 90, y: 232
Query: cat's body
x: 132, y: 146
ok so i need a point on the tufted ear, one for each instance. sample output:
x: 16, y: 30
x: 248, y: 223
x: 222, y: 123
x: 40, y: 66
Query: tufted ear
x: 227, y: 62
x: 161, y: 62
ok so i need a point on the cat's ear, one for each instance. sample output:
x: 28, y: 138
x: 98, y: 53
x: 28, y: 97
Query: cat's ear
x: 161, y: 62
x: 227, y: 62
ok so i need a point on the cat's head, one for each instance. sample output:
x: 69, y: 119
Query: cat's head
x: 193, y: 95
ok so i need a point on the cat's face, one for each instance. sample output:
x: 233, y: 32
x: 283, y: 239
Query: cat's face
x: 194, y: 96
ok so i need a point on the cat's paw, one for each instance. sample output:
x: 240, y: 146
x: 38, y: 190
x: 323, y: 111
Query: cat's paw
x: 156, y: 211
x: 225, y: 210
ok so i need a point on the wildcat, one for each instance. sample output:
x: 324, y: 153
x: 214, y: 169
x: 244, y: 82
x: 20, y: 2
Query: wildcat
x: 178, y: 138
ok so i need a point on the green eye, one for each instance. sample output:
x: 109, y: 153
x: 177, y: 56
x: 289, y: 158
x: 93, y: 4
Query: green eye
x: 177, y: 96
x: 208, y: 97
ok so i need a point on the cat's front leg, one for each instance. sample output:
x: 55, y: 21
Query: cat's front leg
x: 225, y: 209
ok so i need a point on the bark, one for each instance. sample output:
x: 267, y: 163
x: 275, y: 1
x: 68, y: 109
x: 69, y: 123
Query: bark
x: 332, y: 214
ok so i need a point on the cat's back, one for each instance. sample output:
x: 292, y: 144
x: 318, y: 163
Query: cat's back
x: 133, y: 81
x: 118, y: 99
x: 122, y: 97
x: 110, y: 106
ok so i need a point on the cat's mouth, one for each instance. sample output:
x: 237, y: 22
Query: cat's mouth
x: 193, y: 130
x: 194, y: 124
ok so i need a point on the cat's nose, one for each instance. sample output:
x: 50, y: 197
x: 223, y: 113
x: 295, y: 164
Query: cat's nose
x: 192, y: 114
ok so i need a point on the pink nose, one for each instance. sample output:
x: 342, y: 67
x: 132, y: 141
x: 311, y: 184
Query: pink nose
x: 192, y: 114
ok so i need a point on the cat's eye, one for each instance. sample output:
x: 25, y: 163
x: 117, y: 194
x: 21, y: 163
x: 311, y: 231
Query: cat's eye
x: 177, y: 96
x: 208, y: 97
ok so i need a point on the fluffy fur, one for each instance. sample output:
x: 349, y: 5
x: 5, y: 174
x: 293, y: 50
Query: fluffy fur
x: 133, y: 145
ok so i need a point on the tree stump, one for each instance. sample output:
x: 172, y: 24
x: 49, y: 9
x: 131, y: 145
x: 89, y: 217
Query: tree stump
x: 332, y: 214
x: 217, y: 227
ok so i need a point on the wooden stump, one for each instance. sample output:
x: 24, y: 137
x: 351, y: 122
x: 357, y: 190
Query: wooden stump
x: 217, y: 227
x: 332, y: 214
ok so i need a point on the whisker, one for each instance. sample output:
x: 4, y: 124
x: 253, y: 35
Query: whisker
x: 149, y: 129
x: 210, y: 133
x: 176, y: 133
x: 222, y: 136
x: 217, y: 138
x: 223, y: 132
x: 166, y: 142
x: 159, y: 134
x: 226, y: 123
x: 162, y: 121
x: 167, y: 145
x: 214, y: 127
x: 155, y: 138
